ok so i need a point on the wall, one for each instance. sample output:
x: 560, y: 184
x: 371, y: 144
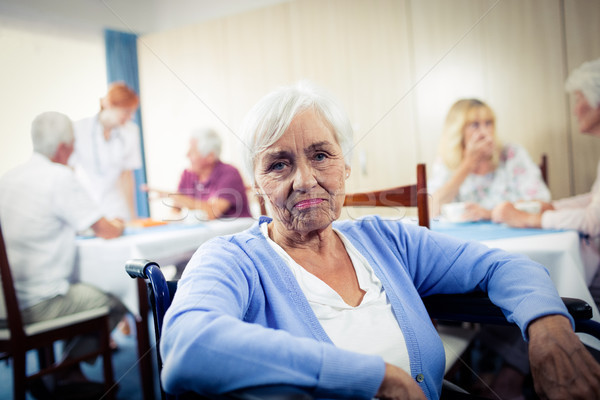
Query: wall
x: 396, y: 66
x: 45, y: 68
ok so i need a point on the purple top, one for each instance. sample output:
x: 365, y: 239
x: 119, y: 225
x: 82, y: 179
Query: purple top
x: 224, y: 182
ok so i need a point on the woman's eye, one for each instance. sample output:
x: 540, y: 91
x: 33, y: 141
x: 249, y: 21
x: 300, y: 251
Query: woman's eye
x: 278, y: 166
x: 320, y: 156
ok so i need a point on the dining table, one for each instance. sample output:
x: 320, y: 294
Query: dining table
x: 557, y: 250
x: 101, y: 263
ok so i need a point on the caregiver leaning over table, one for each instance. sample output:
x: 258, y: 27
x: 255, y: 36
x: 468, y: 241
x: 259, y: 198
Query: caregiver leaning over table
x: 335, y: 306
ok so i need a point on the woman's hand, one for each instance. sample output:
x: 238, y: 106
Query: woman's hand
x: 478, y: 148
x: 508, y: 214
x: 561, y: 366
x: 474, y: 212
x: 397, y: 384
x: 546, y: 206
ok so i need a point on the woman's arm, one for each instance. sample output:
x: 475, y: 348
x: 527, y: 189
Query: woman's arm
x: 127, y: 181
x: 220, y: 335
x: 585, y: 220
x: 508, y: 214
x: 477, y: 151
x: 449, y: 190
x: 213, y: 208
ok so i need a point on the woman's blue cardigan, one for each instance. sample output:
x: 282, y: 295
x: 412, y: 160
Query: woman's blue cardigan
x: 240, y: 319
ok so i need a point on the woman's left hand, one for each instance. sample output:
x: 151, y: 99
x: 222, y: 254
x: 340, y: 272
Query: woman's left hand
x: 508, y: 214
x: 561, y: 366
x: 474, y: 212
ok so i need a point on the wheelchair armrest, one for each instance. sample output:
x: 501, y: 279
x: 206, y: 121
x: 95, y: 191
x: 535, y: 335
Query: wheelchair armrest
x: 578, y: 308
x: 271, y: 392
x: 136, y: 268
x: 477, y: 307
x: 267, y: 392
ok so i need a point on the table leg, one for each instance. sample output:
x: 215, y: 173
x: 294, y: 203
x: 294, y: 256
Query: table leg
x: 143, y: 341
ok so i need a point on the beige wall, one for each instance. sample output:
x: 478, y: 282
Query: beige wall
x: 45, y: 68
x: 396, y: 66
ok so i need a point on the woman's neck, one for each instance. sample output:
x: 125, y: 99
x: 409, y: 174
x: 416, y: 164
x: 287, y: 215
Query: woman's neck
x: 319, y: 241
x: 484, y: 167
x: 204, y: 173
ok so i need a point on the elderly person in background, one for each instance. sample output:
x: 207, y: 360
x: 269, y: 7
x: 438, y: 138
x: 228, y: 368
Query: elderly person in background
x: 209, y: 185
x: 107, y: 151
x: 42, y: 206
x: 581, y: 213
x: 335, y: 306
x: 474, y: 167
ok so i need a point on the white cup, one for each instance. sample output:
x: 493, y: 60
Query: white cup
x: 454, y: 212
x: 532, y: 207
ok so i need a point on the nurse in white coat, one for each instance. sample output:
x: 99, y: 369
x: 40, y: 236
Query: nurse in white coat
x: 107, y: 151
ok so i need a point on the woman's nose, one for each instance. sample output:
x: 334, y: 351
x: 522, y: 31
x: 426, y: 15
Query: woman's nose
x: 304, y: 177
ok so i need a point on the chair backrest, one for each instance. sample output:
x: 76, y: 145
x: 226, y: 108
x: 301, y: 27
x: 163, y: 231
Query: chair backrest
x: 11, y: 304
x: 544, y: 168
x: 401, y: 196
x: 257, y: 199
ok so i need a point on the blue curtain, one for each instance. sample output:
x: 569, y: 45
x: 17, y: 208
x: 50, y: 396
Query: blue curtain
x: 122, y: 65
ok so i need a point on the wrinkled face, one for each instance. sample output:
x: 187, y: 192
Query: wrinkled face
x: 303, y: 175
x: 587, y: 116
x: 479, y: 123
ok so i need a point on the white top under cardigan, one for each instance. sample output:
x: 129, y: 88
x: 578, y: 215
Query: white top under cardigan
x: 370, y: 327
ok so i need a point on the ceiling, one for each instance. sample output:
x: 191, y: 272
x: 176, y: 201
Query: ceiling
x: 136, y: 16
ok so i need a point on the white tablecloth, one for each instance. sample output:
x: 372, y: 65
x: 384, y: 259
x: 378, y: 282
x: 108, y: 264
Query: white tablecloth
x: 559, y: 253
x: 102, y: 262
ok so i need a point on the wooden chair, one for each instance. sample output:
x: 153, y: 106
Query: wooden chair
x: 253, y: 196
x: 18, y: 338
x: 544, y: 168
x: 401, y: 196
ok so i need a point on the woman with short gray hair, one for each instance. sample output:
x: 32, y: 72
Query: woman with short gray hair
x: 335, y: 306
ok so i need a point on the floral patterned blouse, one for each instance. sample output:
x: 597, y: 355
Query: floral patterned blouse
x: 516, y: 178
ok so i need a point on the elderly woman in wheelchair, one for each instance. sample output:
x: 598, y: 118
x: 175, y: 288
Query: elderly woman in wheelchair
x: 335, y: 306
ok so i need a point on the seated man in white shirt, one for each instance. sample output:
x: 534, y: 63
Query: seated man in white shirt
x: 42, y: 206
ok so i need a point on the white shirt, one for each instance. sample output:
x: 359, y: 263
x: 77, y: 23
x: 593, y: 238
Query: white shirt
x: 99, y: 162
x: 42, y: 206
x: 370, y: 327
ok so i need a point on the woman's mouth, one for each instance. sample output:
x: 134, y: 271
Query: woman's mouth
x: 307, y: 203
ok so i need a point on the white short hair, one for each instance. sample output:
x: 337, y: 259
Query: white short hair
x: 268, y: 120
x: 586, y: 79
x: 207, y: 141
x: 49, y: 130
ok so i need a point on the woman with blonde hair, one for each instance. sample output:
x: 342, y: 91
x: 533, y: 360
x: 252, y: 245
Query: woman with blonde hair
x: 476, y: 168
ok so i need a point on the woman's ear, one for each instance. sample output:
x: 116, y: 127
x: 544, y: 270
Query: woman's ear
x: 348, y: 170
